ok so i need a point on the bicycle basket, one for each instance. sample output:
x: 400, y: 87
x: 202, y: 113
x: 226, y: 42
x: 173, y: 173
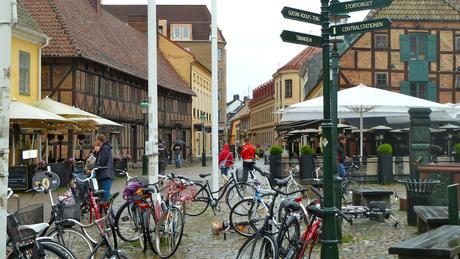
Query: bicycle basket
x: 23, y: 237
x: 69, y: 208
x: 185, y: 193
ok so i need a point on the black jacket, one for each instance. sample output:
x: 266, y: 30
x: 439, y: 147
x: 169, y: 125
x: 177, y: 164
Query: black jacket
x: 340, y: 153
x: 104, y: 158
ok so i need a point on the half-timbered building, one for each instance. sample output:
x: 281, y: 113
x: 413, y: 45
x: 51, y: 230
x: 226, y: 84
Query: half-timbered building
x: 99, y: 64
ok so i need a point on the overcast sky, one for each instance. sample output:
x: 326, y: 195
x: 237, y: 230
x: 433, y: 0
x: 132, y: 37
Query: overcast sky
x: 252, y: 28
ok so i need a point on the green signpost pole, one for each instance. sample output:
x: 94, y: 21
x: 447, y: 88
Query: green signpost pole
x: 329, y: 248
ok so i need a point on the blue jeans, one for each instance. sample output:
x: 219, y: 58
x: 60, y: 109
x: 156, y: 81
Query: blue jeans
x: 105, y: 184
x: 224, y: 170
x: 341, y: 170
x: 177, y: 160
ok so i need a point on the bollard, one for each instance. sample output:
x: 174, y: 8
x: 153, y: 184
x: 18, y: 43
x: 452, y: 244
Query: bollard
x: 452, y: 194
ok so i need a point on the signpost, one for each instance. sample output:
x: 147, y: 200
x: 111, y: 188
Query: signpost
x: 358, y: 5
x: 301, y: 38
x: 329, y: 248
x: 301, y: 15
x: 358, y: 27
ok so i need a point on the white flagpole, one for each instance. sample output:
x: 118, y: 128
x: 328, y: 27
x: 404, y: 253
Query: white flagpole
x: 214, y: 102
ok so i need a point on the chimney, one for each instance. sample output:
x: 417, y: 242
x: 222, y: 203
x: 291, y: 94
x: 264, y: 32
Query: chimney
x: 236, y: 97
x: 97, y: 5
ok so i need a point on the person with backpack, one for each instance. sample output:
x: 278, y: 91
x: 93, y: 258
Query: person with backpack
x: 225, y: 161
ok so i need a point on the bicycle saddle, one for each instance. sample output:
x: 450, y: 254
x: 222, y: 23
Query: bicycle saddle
x: 36, y: 228
x: 290, y: 205
x: 281, y: 182
x: 204, y: 175
x: 315, y: 211
x: 98, y: 193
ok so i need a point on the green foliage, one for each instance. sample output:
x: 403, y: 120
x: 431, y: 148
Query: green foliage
x: 306, y: 150
x: 385, y: 149
x: 259, y: 152
x: 457, y: 148
x: 276, y: 150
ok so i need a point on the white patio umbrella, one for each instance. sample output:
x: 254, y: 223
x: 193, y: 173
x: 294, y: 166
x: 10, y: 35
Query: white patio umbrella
x: 362, y: 101
x: 62, y: 109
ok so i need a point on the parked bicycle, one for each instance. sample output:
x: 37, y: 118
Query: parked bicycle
x: 23, y: 241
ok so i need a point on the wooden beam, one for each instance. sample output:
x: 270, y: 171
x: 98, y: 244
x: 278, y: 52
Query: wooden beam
x: 61, y: 80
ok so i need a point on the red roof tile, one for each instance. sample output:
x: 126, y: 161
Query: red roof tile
x: 77, y: 29
x: 298, y: 60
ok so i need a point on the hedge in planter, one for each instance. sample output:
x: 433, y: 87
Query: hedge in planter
x: 385, y: 163
x: 307, y: 162
x: 275, y: 162
x: 457, y: 152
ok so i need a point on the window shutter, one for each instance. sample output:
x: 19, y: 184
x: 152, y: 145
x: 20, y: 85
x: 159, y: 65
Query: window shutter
x: 432, y: 48
x: 404, y: 88
x: 432, y: 92
x: 404, y: 47
x: 418, y: 70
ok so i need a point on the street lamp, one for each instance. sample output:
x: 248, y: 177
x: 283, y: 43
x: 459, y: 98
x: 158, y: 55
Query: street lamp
x: 145, y: 158
x: 203, y: 153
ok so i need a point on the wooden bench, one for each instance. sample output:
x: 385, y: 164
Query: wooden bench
x: 362, y: 196
x: 439, y: 243
x: 430, y: 217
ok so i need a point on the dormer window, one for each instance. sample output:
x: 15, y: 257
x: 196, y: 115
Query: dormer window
x: 181, y: 32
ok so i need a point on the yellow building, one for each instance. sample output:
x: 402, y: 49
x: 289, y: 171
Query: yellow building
x: 198, y: 77
x: 25, y: 75
x: 261, y: 115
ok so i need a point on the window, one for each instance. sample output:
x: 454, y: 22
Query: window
x: 381, y: 79
x: 457, y: 44
x: 160, y: 29
x: 418, y: 47
x: 219, y: 54
x: 219, y: 74
x: 418, y: 89
x: 457, y: 82
x: 24, y: 73
x: 181, y: 31
x: 381, y: 41
x: 288, y: 88
x: 194, y: 112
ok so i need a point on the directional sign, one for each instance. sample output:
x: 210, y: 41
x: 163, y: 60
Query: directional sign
x: 301, y: 15
x: 358, y: 5
x: 357, y: 27
x: 301, y: 38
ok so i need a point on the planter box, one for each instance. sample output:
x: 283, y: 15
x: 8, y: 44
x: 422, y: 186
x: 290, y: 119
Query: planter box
x: 307, y: 166
x: 275, y: 167
x: 385, y: 168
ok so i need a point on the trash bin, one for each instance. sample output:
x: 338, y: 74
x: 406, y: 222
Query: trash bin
x: 418, y: 193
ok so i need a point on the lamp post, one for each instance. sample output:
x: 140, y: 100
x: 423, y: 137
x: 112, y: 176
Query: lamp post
x: 145, y: 158
x: 203, y: 153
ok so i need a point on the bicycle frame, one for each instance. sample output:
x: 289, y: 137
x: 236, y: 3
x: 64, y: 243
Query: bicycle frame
x: 311, y: 233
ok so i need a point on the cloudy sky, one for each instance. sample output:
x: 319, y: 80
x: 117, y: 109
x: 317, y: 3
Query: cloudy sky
x: 252, y: 28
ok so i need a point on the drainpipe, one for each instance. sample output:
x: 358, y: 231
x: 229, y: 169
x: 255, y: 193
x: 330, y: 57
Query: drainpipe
x: 8, y: 17
x: 45, y: 44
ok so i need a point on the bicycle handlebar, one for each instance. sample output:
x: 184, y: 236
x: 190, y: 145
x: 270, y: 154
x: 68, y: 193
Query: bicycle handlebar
x: 92, y: 174
x: 339, y: 212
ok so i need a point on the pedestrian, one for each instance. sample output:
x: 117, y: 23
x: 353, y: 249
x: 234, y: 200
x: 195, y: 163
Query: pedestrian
x: 104, y: 158
x: 248, y: 154
x: 162, y: 157
x: 341, y: 156
x: 225, y: 161
x: 177, y: 149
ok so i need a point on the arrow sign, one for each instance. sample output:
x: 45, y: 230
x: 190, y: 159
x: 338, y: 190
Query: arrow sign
x: 357, y: 27
x: 301, y: 15
x: 301, y: 38
x: 358, y: 5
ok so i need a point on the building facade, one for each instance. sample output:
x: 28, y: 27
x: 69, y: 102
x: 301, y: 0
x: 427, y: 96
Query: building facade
x: 189, y: 26
x: 84, y: 67
x: 262, y: 107
x: 418, y: 56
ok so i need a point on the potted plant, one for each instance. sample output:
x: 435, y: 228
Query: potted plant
x: 275, y: 152
x: 385, y: 163
x: 457, y: 152
x: 306, y: 162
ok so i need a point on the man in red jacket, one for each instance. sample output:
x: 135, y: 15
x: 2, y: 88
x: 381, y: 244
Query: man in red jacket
x: 248, y: 154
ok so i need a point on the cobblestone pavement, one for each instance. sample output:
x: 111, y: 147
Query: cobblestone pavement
x: 365, y: 239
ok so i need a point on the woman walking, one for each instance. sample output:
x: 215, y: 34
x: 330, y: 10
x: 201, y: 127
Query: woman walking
x: 225, y: 161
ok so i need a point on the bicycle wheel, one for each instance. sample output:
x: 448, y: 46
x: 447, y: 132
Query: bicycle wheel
x: 243, y: 220
x: 54, y: 249
x: 288, y: 235
x: 169, y: 232
x: 75, y: 240
x: 237, y: 192
x: 200, y: 201
x: 126, y: 224
x: 143, y: 219
x: 347, y: 187
x: 261, y: 245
